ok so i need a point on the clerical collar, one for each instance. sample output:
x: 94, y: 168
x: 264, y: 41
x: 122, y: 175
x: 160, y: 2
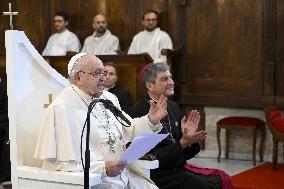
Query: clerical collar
x: 85, y: 97
x: 108, y: 88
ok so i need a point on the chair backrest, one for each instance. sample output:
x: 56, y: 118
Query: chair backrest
x: 275, y: 122
x: 31, y: 85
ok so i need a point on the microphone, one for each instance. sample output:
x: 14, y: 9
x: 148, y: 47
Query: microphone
x: 92, y: 104
x: 116, y: 112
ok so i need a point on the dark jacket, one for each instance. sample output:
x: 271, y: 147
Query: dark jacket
x: 170, y: 155
x: 123, y: 96
x: 171, y: 173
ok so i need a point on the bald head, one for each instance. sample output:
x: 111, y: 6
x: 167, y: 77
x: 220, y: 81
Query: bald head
x: 99, y: 17
x: 100, y: 24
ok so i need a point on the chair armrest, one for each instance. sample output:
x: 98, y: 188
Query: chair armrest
x: 146, y: 164
x: 76, y: 178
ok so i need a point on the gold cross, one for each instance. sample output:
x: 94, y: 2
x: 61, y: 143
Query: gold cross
x: 49, y: 100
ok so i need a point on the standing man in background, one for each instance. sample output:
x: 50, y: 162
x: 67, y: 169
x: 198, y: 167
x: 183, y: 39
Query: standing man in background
x: 102, y: 41
x: 63, y: 40
x: 152, y: 40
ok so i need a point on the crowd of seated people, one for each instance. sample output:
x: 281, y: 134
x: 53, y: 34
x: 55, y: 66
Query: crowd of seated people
x: 151, y: 40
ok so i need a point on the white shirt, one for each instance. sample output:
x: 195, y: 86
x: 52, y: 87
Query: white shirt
x: 59, y: 138
x: 60, y: 43
x: 106, y: 44
x: 152, y: 43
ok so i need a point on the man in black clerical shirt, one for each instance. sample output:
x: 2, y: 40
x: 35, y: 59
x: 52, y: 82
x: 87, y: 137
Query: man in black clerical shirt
x: 182, y: 142
x: 110, y: 84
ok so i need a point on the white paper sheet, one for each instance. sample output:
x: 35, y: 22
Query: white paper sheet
x: 141, y: 145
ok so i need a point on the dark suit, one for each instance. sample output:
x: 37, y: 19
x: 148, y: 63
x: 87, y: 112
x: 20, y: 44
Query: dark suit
x: 123, y: 96
x: 5, y: 167
x: 172, y: 158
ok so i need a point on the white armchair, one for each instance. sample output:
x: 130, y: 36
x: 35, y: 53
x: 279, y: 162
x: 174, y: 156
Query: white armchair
x: 31, y: 86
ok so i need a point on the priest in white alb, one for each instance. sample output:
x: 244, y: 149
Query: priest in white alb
x: 63, y: 40
x: 59, y: 138
x: 102, y: 41
x: 152, y: 40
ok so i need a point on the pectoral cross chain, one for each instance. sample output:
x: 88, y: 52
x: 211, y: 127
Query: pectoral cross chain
x: 111, y: 141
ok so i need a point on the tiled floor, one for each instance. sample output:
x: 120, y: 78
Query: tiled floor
x: 231, y: 167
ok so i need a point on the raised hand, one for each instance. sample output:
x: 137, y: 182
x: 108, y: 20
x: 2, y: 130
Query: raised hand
x: 114, y: 168
x: 189, y: 127
x: 159, y: 110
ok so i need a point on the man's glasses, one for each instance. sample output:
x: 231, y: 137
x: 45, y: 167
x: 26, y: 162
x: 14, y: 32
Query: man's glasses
x: 151, y: 20
x: 96, y: 75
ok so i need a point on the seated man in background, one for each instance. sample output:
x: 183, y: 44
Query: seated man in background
x: 110, y: 85
x: 59, y: 138
x: 63, y: 40
x: 182, y: 142
x: 152, y: 40
x: 102, y: 41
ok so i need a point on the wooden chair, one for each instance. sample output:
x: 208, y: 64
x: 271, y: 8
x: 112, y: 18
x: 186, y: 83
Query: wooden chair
x: 275, y: 123
x: 253, y: 124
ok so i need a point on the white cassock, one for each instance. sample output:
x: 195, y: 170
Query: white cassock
x: 59, y: 138
x: 60, y: 43
x: 152, y: 43
x: 106, y: 44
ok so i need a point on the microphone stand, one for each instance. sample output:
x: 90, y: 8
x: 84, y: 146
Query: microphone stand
x: 87, y: 151
x: 117, y: 113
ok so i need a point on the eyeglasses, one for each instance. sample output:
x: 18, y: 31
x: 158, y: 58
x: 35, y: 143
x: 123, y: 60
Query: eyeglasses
x: 151, y: 20
x: 97, y: 74
x: 100, y: 22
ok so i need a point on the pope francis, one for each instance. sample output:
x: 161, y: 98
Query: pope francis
x: 59, y: 138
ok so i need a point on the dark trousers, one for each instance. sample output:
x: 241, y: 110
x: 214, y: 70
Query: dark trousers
x: 184, y: 179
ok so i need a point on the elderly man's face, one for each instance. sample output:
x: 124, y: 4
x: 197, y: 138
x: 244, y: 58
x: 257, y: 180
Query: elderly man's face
x: 90, y: 78
x: 111, y: 77
x: 164, y: 85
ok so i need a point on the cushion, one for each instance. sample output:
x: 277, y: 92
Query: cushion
x: 278, y: 124
x: 274, y: 113
x: 241, y: 121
